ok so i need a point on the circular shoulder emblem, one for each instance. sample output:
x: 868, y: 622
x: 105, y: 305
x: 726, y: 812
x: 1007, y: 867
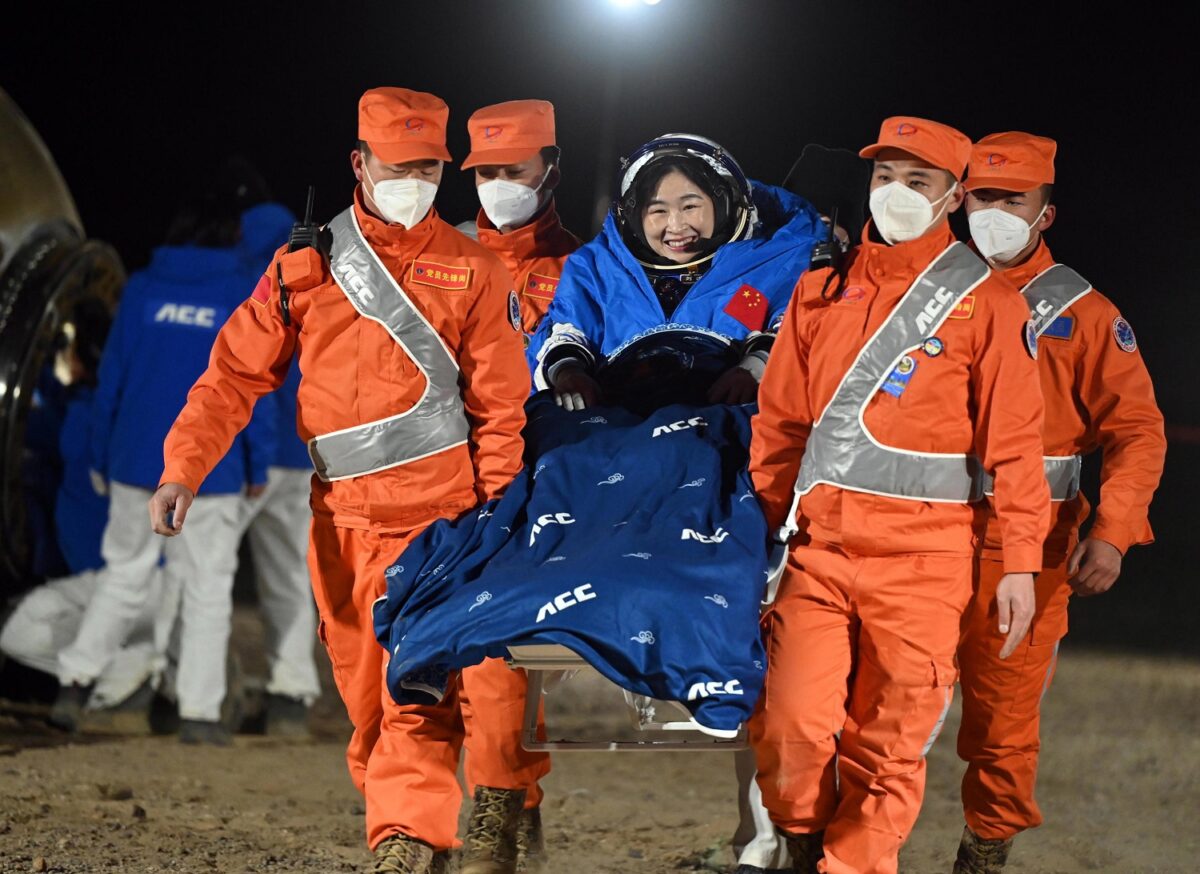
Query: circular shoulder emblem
x: 906, y: 365
x: 1031, y: 340
x: 514, y: 311
x: 1124, y: 334
x: 933, y: 347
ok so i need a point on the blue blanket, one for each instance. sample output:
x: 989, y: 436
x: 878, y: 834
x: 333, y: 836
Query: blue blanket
x: 636, y: 542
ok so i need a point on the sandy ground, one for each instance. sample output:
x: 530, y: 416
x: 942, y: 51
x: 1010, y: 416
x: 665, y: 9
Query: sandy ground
x: 1119, y: 787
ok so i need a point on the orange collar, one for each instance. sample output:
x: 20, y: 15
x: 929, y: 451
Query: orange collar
x: 380, y: 233
x: 1038, y: 261
x: 524, y: 242
x: 913, y: 256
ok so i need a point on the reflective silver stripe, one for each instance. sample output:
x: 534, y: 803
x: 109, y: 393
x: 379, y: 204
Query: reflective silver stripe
x: 1048, y: 295
x: 842, y: 452
x: 437, y: 421
x: 937, y: 726
x: 1049, y: 673
x: 1063, y: 473
x: 1051, y: 292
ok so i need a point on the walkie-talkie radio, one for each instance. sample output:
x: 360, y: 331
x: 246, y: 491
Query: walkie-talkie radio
x: 305, y: 235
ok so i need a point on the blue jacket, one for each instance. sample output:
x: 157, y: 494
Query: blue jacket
x: 264, y: 229
x: 605, y: 300
x: 636, y: 543
x: 158, y: 346
x: 79, y: 513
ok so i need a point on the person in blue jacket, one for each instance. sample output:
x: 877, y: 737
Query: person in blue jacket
x: 158, y: 346
x: 47, y: 618
x: 690, y: 244
x: 692, y: 256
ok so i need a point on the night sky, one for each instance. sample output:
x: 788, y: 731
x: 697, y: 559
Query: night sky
x: 136, y: 102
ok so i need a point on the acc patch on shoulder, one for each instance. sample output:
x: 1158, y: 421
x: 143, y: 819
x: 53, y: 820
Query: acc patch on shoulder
x: 541, y: 286
x: 1031, y: 340
x: 1123, y: 332
x: 444, y: 276
x: 514, y: 311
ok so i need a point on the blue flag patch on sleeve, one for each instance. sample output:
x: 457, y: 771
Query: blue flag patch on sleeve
x: 1061, y: 328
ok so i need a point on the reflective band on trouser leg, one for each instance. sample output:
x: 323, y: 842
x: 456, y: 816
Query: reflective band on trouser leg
x: 437, y: 421
x: 937, y: 728
x: 841, y: 452
x: 1063, y: 473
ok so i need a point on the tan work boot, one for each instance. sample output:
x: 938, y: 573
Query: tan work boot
x: 491, y: 844
x: 401, y: 854
x: 978, y: 855
x: 531, y: 844
x: 806, y: 851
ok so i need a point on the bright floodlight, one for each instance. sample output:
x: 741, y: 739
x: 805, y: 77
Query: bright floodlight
x: 651, y: 2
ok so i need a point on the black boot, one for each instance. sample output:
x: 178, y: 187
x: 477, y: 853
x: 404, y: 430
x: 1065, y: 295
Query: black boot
x: 806, y: 851
x: 978, y: 855
x: 68, y: 706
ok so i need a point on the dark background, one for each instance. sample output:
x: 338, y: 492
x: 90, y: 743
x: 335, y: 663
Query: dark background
x: 136, y: 103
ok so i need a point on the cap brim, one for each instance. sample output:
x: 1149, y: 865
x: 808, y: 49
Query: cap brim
x: 499, y: 156
x: 402, y: 153
x: 874, y: 149
x: 1001, y: 183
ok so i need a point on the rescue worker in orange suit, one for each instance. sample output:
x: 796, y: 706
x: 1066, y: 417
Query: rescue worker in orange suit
x: 1098, y: 395
x: 411, y: 393
x: 515, y: 158
x: 892, y: 387
x: 516, y: 162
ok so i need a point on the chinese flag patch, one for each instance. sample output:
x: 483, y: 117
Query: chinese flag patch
x: 749, y: 306
x: 541, y: 286
x: 440, y: 275
x: 262, y: 291
x: 964, y: 309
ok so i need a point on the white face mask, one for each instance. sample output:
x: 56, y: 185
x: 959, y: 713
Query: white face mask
x: 902, y: 214
x: 1000, y: 236
x: 401, y: 201
x: 510, y: 204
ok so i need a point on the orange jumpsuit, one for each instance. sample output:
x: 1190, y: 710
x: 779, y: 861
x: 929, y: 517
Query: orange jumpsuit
x: 534, y: 255
x: 862, y: 635
x: 403, y: 759
x: 1097, y: 395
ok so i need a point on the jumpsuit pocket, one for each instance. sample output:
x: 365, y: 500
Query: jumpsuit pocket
x: 924, y: 701
x: 1039, y: 660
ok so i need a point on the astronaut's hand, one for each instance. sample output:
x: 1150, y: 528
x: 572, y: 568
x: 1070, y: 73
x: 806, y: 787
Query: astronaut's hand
x: 1094, y: 567
x: 574, y: 388
x: 168, y: 508
x: 735, y: 386
x: 1015, y: 605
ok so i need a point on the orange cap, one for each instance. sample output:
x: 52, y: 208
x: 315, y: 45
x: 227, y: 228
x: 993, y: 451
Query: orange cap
x: 508, y: 133
x: 402, y: 125
x: 939, y: 144
x: 1013, y: 161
